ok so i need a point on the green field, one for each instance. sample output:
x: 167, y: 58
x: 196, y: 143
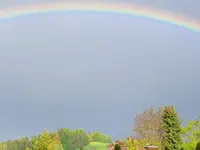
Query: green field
x: 96, y: 146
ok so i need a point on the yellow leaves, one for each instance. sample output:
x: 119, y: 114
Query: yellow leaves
x: 43, y: 142
x: 134, y: 144
x: 55, y: 143
x: 131, y: 144
x: 51, y: 146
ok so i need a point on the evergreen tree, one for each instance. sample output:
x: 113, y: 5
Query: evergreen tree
x: 44, y: 140
x: 172, y: 129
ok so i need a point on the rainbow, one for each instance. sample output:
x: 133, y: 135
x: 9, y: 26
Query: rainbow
x: 117, y: 8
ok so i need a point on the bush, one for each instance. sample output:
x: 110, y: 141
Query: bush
x: 198, y: 146
x: 117, y: 147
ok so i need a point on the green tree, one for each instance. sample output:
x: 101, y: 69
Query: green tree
x: 117, y: 147
x: 172, y: 129
x: 191, y: 134
x: 67, y: 140
x: 80, y: 139
x: 98, y: 137
x: 44, y: 141
x: 95, y: 137
x: 35, y: 144
x: 3, y: 146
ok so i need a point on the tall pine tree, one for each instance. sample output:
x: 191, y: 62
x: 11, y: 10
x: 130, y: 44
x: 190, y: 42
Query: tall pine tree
x: 172, y: 129
x: 44, y: 141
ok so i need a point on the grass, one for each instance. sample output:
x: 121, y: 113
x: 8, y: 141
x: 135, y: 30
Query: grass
x: 96, y: 146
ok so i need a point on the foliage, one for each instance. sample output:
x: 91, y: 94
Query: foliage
x: 145, y: 142
x: 66, y: 140
x: 160, y: 127
x: 191, y: 134
x: 117, y: 147
x: 19, y: 144
x: 80, y: 139
x: 148, y: 125
x: 55, y: 143
x: 131, y: 144
x: 44, y: 141
x: 3, y: 146
x: 62, y: 139
x: 98, y: 137
x: 198, y: 146
x: 172, y: 129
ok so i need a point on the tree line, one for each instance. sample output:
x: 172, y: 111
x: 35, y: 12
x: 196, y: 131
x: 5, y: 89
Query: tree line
x: 163, y: 127
x: 160, y: 127
x: 62, y: 139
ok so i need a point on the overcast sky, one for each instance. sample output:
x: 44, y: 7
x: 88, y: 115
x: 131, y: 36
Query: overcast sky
x: 95, y: 71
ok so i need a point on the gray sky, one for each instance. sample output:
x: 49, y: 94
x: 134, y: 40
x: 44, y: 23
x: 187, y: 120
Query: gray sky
x: 95, y: 71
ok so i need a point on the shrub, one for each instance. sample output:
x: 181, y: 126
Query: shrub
x: 198, y: 146
x: 117, y: 147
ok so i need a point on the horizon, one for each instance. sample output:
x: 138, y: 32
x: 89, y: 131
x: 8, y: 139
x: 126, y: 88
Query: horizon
x: 80, y: 70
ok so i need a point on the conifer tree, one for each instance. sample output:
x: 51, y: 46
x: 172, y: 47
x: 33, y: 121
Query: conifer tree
x: 172, y: 129
x: 44, y: 140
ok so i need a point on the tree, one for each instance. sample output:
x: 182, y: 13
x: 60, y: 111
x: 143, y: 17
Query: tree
x: 148, y: 125
x: 44, y: 141
x: 131, y: 144
x: 67, y: 140
x: 191, y: 134
x: 172, y: 129
x: 95, y: 137
x: 3, y: 146
x: 98, y: 137
x: 105, y: 139
x: 62, y: 139
x: 80, y: 139
x: 117, y: 147
x: 35, y: 143
x: 55, y: 143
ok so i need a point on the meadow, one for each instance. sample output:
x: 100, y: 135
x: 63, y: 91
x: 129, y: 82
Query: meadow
x: 96, y: 146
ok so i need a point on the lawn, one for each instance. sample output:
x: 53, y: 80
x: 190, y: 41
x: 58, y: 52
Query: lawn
x: 96, y: 146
